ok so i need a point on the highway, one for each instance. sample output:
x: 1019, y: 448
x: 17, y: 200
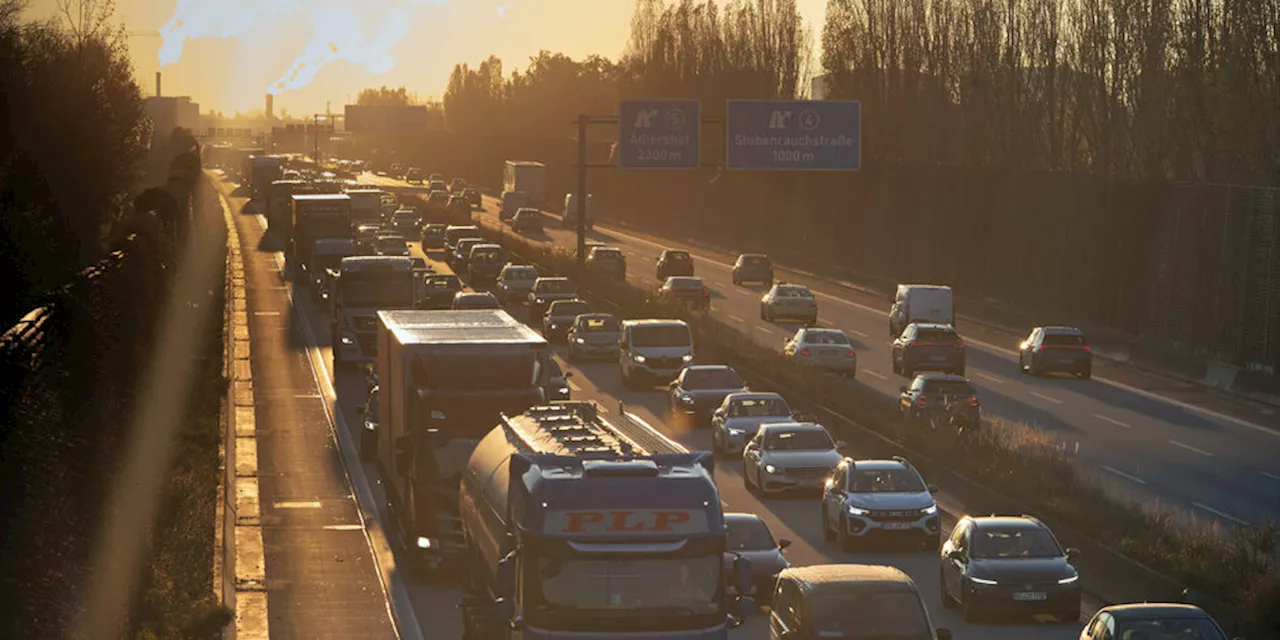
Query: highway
x: 1143, y: 438
x: 433, y: 607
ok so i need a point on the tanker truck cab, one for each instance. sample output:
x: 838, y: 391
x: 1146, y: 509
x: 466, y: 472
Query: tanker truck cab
x: 359, y: 287
x: 444, y: 379
x: 578, y: 527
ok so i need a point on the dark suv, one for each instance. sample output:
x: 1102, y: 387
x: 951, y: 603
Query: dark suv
x: 928, y: 347
x: 941, y: 396
x: 1053, y: 349
x: 674, y: 263
x: 753, y: 267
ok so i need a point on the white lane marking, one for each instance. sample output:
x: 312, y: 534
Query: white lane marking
x: 1044, y: 397
x: 344, y: 527
x: 266, y: 313
x: 1191, y: 448
x: 736, y: 318
x: 1123, y: 474
x: 988, y: 377
x: 307, y: 396
x: 764, y: 329
x: 875, y: 374
x: 1112, y: 421
x: 298, y: 504
x: 883, y: 313
x: 1220, y: 514
x: 1270, y: 475
x: 574, y: 386
x: 859, y: 333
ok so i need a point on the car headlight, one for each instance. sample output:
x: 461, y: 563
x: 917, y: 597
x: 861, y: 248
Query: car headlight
x: 348, y: 341
x: 688, y: 357
x: 929, y: 510
x: 1069, y: 580
x: 639, y: 358
x: 687, y: 399
x: 768, y: 468
x: 735, y: 432
x: 982, y: 581
x: 538, y: 301
x: 579, y: 340
x: 370, y: 425
x: 554, y: 326
x: 856, y: 511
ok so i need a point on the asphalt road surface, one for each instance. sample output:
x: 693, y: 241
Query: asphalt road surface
x: 1192, y: 452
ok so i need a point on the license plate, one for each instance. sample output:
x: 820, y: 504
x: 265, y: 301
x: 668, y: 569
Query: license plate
x: 828, y: 354
x: 897, y: 526
x: 937, y: 358
x: 1030, y: 596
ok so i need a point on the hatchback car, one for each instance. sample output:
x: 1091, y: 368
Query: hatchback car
x: 1008, y: 564
x: 1056, y: 349
x: 685, y: 290
x: 932, y: 396
x: 560, y: 316
x: 753, y: 267
x: 439, y: 291
x: 700, y: 389
x: 789, y: 456
x: 608, y: 261
x: 391, y: 245
x: 673, y: 262
x: 928, y: 347
x: 789, y: 301
x: 515, y: 281
x: 464, y: 300
x: 826, y: 349
x: 460, y: 260
x: 594, y: 335
x: 747, y: 536
x: 545, y: 291
x: 527, y: 221
x: 740, y: 415
x: 849, y: 601
x: 1151, y: 620
x: 879, y: 498
x: 433, y: 236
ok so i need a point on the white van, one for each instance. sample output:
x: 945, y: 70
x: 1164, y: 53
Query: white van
x: 653, y: 351
x: 921, y: 303
x: 569, y: 217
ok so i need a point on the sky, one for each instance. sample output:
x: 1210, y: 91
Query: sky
x: 228, y: 54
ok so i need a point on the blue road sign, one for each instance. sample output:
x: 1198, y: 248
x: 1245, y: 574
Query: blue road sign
x: 793, y: 135
x: 659, y: 134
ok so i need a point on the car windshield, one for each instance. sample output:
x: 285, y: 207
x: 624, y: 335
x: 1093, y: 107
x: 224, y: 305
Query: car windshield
x: 711, y: 379
x: 886, y: 481
x: 937, y: 335
x: 677, y: 256
x: 1014, y: 543
x: 606, y: 254
x: 759, y: 408
x: 392, y: 243
x: 747, y: 534
x: 1168, y: 628
x: 440, y: 283
x: 481, y: 255
x: 569, y: 308
x: 798, y: 440
x: 554, y: 286
x: 1064, y: 340
x: 661, y: 336
x: 684, y: 284
x: 520, y: 274
x: 598, y: 324
x: 870, y: 615
x: 825, y: 337
x: 949, y: 387
x: 404, y: 216
x: 464, y: 246
x: 794, y: 292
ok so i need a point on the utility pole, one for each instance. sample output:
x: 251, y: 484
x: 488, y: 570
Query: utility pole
x: 583, y: 121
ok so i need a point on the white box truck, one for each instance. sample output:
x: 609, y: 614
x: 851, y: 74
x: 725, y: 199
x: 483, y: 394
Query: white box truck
x: 527, y: 176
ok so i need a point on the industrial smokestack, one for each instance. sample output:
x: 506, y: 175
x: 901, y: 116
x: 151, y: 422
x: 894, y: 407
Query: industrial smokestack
x: 270, y: 105
x: 158, y: 94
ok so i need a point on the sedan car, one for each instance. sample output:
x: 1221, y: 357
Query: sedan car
x: 747, y: 536
x: 473, y: 196
x: 868, y: 499
x: 594, y: 335
x: 438, y: 201
x: 789, y: 301
x: 515, y: 281
x: 673, y: 262
x: 934, y: 396
x: 608, y: 261
x: 1055, y: 349
x: 789, y: 456
x: 928, y: 347
x: 560, y: 316
x: 527, y: 221
x: 464, y: 300
x: 364, y: 235
x: 440, y: 289
x: 391, y: 245
x: 433, y: 236
x: 545, y: 291
x: 700, y: 389
x: 753, y: 267
x: 461, y: 257
x: 1151, y: 620
x: 484, y: 263
x: 413, y: 176
x: 1008, y: 564
x: 405, y: 222
x: 740, y: 415
x: 685, y: 290
x: 826, y: 349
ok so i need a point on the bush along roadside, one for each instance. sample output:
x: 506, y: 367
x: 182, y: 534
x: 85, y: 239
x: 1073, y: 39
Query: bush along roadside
x: 1234, y: 576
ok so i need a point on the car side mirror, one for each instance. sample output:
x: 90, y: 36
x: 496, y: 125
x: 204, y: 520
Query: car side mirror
x: 933, y: 488
x: 783, y: 543
x: 1073, y: 553
x: 944, y: 634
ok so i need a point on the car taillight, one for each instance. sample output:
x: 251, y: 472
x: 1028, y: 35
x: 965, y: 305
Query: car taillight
x: 921, y: 401
x: 851, y: 354
x: 706, y: 293
x: 956, y: 345
x: 813, y: 303
x: 973, y: 402
x: 804, y: 352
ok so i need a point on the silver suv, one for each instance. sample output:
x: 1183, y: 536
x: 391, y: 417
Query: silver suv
x: 867, y: 498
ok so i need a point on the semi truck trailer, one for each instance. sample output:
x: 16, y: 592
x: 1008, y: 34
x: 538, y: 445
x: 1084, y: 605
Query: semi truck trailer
x: 578, y: 527
x: 444, y: 378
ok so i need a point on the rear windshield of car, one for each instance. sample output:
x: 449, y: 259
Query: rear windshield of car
x: 755, y: 261
x: 400, y: 216
x: 391, y: 242
x: 949, y: 387
x: 603, y: 324
x: 435, y: 231
x: 825, y: 337
x: 1064, y: 340
x: 747, y: 534
x: 937, y: 335
x: 569, y: 308
x: 869, y: 614
x: 711, y: 379
x: 678, y: 256
x: 465, y: 245
x: 554, y: 286
x: 685, y: 284
x: 1191, y: 628
x: 661, y: 336
x: 606, y: 254
x: 794, y: 292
